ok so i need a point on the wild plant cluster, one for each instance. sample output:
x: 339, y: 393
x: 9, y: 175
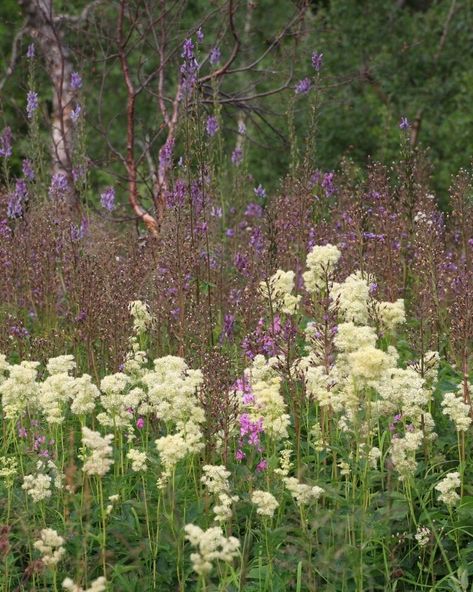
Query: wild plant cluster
x: 272, y: 394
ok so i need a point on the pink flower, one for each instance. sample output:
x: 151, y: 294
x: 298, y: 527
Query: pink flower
x: 262, y: 465
x: 140, y: 423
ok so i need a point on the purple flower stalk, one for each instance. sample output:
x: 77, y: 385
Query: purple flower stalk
x: 59, y: 186
x: 27, y: 169
x: 317, y: 59
x: 5, y: 143
x: 404, y: 123
x: 260, y: 191
x: 212, y: 126
x: 76, y: 81
x: 241, y: 128
x: 303, y: 86
x: 31, y: 103
x: 237, y: 156
x: 165, y: 154
x: 188, y: 50
x: 17, y: 199
x: 30, y: 53
x: 215, y: 56
x: 107, y: 199
x: 254, y: 210
x: 75, y: 114
x: 200, y: 35
x: 78, y: 232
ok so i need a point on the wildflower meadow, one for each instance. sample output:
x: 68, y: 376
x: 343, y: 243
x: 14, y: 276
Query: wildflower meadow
x: 227, y: 362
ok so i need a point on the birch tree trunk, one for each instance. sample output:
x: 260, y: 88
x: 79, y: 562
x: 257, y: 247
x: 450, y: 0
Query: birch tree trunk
x: 56, y: 55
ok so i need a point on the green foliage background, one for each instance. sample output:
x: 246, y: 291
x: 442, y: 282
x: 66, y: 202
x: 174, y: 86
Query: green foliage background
x: 383, y: 59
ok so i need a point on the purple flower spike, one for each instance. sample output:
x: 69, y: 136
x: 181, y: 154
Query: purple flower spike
x: 107, y: 199
x: 303, y: 86
x: 212, y: 126
x: 30, y: 53
x: 76, y: 81
x: 31, y: 103
x: 5, y: 143
x: 404, y: 124
x: 317, y: 59
x: 215, y: 56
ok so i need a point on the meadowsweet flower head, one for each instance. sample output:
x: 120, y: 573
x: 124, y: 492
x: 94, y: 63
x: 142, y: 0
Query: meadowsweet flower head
x: 141, y: 316
x: 138, y: 460
x: 457, y: 410
x: 215, y: 479
x: 84, y: 395
x: 98, y: 585
x: 265, y: 502
x: 8, y: 470
x: 321, y: 262
x: 352, y: 297
x: 423, y: 535
x: 100, y: 461
x: 447, y: 487
x: 37, y: 486
x: 50, y: 545
x: 278, y: 291
x: 303, y: 494
x: 391, y: 314
x: 211, y: 545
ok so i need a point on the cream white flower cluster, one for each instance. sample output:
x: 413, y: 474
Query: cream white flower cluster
x: 38, y: 485
x: 138, y: 460
x: 50, y: 545
x: 302, y: 493
x: 352, y: 297
x: 215, y: 479
x: 423, y: 535
x: 211, y: 545
x: 8, y: 470
x: 321, y: 263
x: 19, y: 391
x: 267, y: 403
x: 99, y: 461
x: 265, y: 502
x: 447, y: 487
x: 278, y: 291
x: 84, y: 395
x: 457, y: 410
x: 141, y: 316
x: 98, y: 585
x: 172, y: 395
x: 363, y: 383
